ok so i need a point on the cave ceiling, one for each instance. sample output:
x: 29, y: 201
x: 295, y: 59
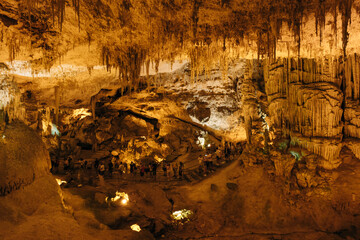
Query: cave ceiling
x: 128, y: 33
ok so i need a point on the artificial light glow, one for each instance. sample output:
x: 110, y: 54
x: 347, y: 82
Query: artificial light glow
x: 54, y: 130
x: 46, y: 125
x: 82, y: 112
x: 124, y: 201
x: 59, y: 181
x: 135, y: 228
x: 182, y: 214
x: 158, y: 159
x: 201, y: 141
x: 123, y: 197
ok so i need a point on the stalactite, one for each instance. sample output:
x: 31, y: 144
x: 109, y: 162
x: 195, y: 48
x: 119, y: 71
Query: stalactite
x: 195, y: 18
x: 335, y: 6
x: 61, y: 12
x: 345, y: 8
x: 12, y: 51
x: 296, y: 24
x: 320, y: 18
x: 76, y: 5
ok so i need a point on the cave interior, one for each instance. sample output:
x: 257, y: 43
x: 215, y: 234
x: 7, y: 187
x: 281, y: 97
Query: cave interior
x: 180, y: 119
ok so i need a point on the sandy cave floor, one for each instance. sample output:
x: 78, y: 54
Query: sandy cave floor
x: 259, y: 207
x: 235, y: 202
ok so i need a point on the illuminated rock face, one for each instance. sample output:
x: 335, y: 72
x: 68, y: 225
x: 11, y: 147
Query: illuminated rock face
x: 23, y: 158
x: 10, y: 100
x: 314, y: 102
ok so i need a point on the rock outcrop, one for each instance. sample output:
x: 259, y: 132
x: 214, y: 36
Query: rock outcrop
x: 23, y: 158
x: 314, y: 102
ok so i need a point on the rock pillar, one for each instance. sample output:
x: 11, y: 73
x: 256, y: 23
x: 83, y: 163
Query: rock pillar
x: 57, y: 104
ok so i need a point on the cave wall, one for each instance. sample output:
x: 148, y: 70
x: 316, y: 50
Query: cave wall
x: 23, y: 158
x: 315, y: 102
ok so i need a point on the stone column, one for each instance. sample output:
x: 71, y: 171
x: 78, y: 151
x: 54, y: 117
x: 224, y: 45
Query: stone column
x: 57, y: 104
x: 93, y: 106
x: 2, y: 121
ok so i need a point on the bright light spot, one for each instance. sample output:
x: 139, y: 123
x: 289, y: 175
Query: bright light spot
x: 59, y: 181
x: 182, y: 214
x: 54, y: 130
x: 135, y: 228
x: 263, y: 116
x: 296, y: 155
x: 158, y: 159
x: 82, y: 112
x: 46, y: 125
x: 209, y: 145
x: 123, y: 197
x: 201, y: 141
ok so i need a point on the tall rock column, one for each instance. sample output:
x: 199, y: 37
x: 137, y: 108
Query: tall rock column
x: 351, y: 86
x: 248, y: 99
x: 305, y: 102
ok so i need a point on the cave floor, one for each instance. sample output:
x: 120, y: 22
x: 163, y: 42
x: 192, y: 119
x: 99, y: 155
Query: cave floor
x: 258, y: 206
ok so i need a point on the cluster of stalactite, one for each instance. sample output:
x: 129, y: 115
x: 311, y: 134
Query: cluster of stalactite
x: 127, y: 62
x: 315, y: 102
x: 184, y: 26
x: 57, y: 9
x: 200, y: 61
x: 297, y: 11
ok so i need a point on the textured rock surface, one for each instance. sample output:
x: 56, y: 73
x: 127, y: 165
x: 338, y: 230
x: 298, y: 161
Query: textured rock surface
x: 352, y: 118
x: 283, y: 163
x: 306, y: 101
x: 23, y: 158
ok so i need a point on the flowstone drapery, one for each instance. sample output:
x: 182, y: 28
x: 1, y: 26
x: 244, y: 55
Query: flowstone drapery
x: 314, y: 102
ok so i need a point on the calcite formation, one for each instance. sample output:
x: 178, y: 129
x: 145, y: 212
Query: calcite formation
x: 10, y: 100
x: 23, y: 158
x: 315, y: 103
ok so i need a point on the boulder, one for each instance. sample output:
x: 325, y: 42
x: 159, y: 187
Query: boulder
x: 307, y: 178
x: 312, y: 161
x: 284, y: 163
x: 23, y: 158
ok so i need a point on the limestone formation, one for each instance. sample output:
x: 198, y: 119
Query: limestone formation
x: 283, y: 163
x: 306, y: 103
x: 23, y: 158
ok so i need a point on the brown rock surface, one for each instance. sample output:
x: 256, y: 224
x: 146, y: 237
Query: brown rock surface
x: 306, y: 101
x: 23, y: 158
